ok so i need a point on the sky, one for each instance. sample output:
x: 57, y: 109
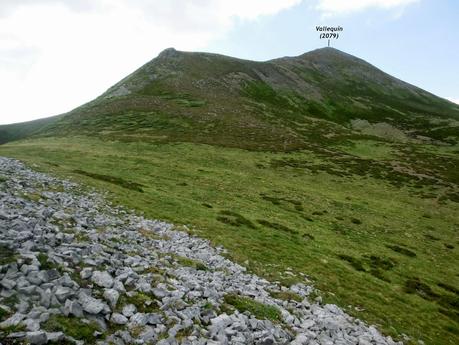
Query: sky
x: 58, y: 54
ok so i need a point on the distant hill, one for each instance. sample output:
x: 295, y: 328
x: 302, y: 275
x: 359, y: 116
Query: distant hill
x: 281, y: 104
x: 24, y: 129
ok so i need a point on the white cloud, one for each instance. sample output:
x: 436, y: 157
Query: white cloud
x: 57, y: 54
x: 454, y: 100
x: 344, y: 7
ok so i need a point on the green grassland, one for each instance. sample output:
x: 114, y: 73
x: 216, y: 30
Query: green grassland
x: 373, y: 224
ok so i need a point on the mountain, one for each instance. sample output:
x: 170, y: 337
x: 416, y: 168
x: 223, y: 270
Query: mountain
x: 317, y: 169
x: 281, y: 104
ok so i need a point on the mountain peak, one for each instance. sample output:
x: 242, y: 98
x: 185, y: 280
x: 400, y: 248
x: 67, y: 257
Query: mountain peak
x: 329, y: 52
x: 168, y: 52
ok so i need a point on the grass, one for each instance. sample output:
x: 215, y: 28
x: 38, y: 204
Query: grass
x: 143, y: 302
x: 196, y: 264
x: 184, y: 333
x: 7, y: 255
x: 14, y: 328
x: 370, y: 149
x: 257, y: 309
x: 45, y: 263
x: 286, y: 296
x: 4, y: 314
x: 353, y: 232
x: 73, y: 327
x: 11, y: 301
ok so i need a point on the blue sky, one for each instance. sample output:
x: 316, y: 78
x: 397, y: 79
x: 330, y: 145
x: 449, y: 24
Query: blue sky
x: 57, y: 54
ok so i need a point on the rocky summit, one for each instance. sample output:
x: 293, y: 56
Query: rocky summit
x: 75, y: 269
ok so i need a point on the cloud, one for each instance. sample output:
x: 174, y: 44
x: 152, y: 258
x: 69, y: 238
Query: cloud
x: 57, y: 54
x: 344, y: 7
x: 454, y: 100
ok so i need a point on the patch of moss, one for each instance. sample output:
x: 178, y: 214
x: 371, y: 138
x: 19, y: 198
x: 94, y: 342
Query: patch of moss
x: 14, y: 328
x: 197, y: 264
x: 4, y: 314
x: 208, y: 306
x: 286, y: 296
x: 82, y: 237
x: 45, y: 263
x: 11, y: 301
x: 35, y: 197
x: 73, y: 327
x: 184, y: 333
x: 143, y: 302
x: 136, y: 331
x: 7, y: 255
x: 259, y: 310
x: 152, y: 235
x: 154, y: 270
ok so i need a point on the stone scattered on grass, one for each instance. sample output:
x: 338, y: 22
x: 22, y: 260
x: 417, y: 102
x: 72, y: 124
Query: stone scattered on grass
x: 75, y: 270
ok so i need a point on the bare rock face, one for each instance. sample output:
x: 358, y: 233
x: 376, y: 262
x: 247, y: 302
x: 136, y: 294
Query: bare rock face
x: 379, y: 129
x: 121, y: 279
x: 118, y: 91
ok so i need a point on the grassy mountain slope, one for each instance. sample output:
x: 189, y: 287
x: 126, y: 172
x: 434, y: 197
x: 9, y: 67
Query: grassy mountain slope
x: 273, y: 105
x: 22, y: 130
x: 318, y: 165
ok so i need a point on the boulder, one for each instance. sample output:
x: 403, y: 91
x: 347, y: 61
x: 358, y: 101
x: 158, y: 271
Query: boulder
x: 111, y: 296
x: 37, y: 338
x: 119, y: 319
x: 90, y: 304
x: 102, y: 279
